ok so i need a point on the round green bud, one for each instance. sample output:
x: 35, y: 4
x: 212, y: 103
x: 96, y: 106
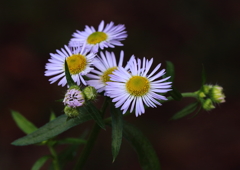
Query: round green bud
x: 201, y: 94
x: 208, y: 105
x: 90, y: 92
x: 207, y: 88
x: 70, y: 111
x: 74, y: 87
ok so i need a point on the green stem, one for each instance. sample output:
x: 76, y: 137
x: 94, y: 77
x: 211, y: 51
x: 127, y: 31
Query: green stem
x: 90, y: 142
x: 55, y: 157
x: 189, y: 94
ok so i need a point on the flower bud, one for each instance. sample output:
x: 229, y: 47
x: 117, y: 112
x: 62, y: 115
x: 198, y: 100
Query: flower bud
x: 90, y: 92
x: 201, y: 94
x: 75, y: 87
x: 208, y: 105
x: 206, y: 89
x: 71, y: 112
x: 73, y: 98
x: 217, y: 95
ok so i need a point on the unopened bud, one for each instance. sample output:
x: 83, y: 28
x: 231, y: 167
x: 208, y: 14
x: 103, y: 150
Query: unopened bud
x: 73, y: 98
x: 217, y: 95
x: 208, y: 105
x: 90, y: 92
x: 207, y: 88
x: 71, y: 112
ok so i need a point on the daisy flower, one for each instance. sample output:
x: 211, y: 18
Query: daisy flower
x: 109, y: 36
x: 134, y: 88
x: 105, y: 65
x: 79, y: 63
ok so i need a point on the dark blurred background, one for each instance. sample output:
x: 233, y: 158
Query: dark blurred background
x: 189, y: 33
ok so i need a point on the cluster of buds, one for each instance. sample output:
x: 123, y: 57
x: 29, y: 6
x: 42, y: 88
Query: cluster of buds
x: 210, y: 95
x: 75, y: 98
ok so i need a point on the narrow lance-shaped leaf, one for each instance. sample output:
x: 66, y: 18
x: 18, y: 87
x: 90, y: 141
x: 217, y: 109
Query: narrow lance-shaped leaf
x: 170, y: 71
x: 197, y: 111
x: 53, y: 128
x: 40, y: 162
x: 73, y: 141
x: 117, y: 128
x: 175, y: 94
x: 96, y: 115
x: 185, y: 111
x: 52, y: 116
x: 204, y: 79
x: 70, y: 81
x: 25, y: 125
x: 146, y: 154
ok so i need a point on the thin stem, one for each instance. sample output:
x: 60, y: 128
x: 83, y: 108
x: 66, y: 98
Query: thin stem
x: 188, y: 94
x: 90, y: 142
x: 55, y: 157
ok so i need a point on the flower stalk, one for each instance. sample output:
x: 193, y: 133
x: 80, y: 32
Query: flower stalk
x: 55, y: 157
x: 91, y: 141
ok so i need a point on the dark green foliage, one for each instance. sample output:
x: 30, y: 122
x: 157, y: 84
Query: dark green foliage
x: 117, y: 127
x: 146, y: 153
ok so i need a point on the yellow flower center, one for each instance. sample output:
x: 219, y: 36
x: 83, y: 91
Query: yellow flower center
x: 138, y: 86
x: 105, y: 77
x: 96, y: 37
x: 76, y: 63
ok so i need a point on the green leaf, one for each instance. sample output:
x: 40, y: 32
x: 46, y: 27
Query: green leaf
x: 96, y: 114
x: 25, y: 125
x: 40, y: 162
x: 70, y: 81
x: 74, y: 141
x: 170, y: 71
x: 53, y: 128
x: 175, y: 94
x: 196, y: 112
x: 52, y: 116
x: 117, y: 128
x: 146, y: 154
x: 185, y: 111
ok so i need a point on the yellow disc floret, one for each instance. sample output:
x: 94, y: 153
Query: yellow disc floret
x: 138, y: 86
x: 105, y: 77
x: 96, y: 37
x: 76, y: 63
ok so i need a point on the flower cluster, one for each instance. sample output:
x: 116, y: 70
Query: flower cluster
x: 132, y: 86
x: 210, y: 95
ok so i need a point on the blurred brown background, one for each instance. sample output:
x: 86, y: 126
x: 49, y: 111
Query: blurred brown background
x: 190, y: 33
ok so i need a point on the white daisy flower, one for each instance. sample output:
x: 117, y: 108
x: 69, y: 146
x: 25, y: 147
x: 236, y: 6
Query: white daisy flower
x: 110, y: 36
x: 136, y: 87
x: 105, y: 65
x: 79, y: 63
